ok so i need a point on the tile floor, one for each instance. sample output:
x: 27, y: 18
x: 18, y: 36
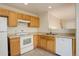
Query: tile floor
x: 38, y: 52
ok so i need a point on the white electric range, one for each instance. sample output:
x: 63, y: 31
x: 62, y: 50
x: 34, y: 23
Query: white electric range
x: 26, y: 42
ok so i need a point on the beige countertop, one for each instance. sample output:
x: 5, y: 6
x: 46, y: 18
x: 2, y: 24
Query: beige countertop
x: 18, y: 35
x: 13, y: 36
x: 59, y: 35
x: 56, y: 35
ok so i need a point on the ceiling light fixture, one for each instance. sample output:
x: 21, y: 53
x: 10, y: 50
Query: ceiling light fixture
x: 25, y: 3
x: 50, y: 7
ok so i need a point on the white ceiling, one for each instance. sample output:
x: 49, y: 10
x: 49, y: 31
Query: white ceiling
x: 60, y: 10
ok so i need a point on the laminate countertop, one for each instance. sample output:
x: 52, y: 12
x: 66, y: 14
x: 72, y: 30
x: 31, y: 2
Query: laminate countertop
x: 13, y: 36
x: 60, y: 36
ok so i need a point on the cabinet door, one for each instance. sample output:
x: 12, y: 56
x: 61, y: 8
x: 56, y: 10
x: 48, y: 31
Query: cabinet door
x: 14, y: 46
x: 34, y: 22
x: 39, y: 42
x: 12, y: 21
x: 28, y: 17
x: 19, y: 16
x: 4, y: 12
x: 51, y: 45
x: 35, y: 40
x: 24, y: 16
x: 43, y: 43
x: 37, y: 22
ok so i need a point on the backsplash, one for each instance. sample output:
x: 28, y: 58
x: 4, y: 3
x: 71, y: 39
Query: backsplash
x: 21, y: 27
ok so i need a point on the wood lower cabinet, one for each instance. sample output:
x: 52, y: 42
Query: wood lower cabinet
x: 14, y: 46
x: 51, y: 45
x: 46, y: 42
x: 12, y: 19
x: 35, y: 40
x: 42, y: 42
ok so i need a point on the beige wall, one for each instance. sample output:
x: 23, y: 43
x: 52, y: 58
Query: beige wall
x: 44, y: 26
x: 49, y: 22
x: 54, y: 22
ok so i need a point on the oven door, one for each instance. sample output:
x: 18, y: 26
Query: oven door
x: 26, y: 41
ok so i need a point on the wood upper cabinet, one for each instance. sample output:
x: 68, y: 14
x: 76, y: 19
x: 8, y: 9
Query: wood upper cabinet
x: 23, y: 16
x: 19, y: 16
x: 12, y: 20
x: 14, y: 46
x: 34, y: 22
x: 12, y: 17
x: 4, y: 12
x: 37, y: 22
x: 28, y: 17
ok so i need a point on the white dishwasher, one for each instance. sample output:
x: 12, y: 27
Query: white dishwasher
x: 64, y: 46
